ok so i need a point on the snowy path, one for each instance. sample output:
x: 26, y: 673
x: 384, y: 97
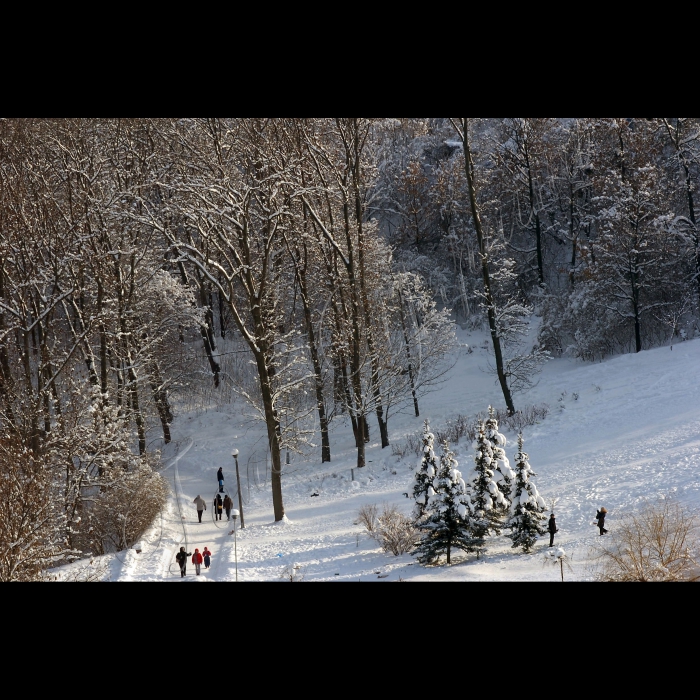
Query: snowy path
x: 209, y: 533
x: 179, y: 526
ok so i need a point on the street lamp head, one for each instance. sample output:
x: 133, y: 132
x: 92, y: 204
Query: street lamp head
x: 234, y: 453
x: 234, y: 514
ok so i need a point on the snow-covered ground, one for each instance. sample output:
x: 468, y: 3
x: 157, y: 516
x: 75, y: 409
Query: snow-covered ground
x: 618, y: 432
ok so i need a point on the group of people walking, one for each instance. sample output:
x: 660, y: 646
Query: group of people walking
x: 600, y: 523
x: 198, y: 558
x: 220, y: 505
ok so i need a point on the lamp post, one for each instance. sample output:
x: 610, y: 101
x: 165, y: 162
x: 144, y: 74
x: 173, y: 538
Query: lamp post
x: 234, y: 515
x: 234, y: 454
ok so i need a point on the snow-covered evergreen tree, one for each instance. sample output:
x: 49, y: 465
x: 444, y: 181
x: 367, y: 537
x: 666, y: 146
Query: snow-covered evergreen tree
x: 425, y: 473
x: 527, y: 513
x: 501, y: 466
x: 488, y: 503
x: 449, y: 523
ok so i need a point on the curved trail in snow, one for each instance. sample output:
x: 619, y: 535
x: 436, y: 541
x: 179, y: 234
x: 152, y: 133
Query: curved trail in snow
x: 131, y: 564
x: 178, y: 499
x: 216, y: 539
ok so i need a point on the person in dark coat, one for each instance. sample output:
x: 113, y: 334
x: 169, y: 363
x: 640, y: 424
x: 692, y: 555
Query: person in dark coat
x: 228, y: 505
x: 552, y: 527
x: 218, y: 506
x: 600, y: 517
x: 181, y: 559
x: 220, y: 479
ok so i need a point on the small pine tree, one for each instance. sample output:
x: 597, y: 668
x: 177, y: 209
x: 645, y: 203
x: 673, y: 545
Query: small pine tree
x: 527, y: 513
x: 449, y: 522
x: 425, y: 473
x: 487, y: 500
x: 501, y: 466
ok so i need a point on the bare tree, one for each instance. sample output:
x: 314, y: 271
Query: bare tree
x: 231, y: 197
x: 462, y: 126
x: 32, y: 523
x: 337, y: 150
x: 656, y: 543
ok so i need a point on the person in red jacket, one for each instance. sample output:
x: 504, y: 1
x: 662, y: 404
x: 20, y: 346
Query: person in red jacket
x: 197, y: 560
x: 207, y: 557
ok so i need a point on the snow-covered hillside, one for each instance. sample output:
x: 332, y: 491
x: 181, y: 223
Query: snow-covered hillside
x: 618, y: 432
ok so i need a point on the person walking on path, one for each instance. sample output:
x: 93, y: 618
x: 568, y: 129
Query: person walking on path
x: 220, y: 479
x: 218, y: 506
x: 552, y: 527
x: 201, y: 506
x: 197, y: 560
x: 181, y: 559
x: 228, y: 505
x: 600, y: 517
x: 207, y: 558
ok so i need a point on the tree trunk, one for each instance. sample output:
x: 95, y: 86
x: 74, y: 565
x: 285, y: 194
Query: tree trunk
x: 469, y: 169
x: 300, y: 273
x: 222, y: 320
x: 318, y: 381
x: 359, y: 215
x: 272, y: 434
x: 361, y: 421
x: 635, y: 311
x: 533, y: 212
x: 634, y: 289
x: 342, y: 364
x: 34, y: 434
x: 160, y: 398
x: 408, y: 353
x: 135, y: 408
x: 538, y: 236
x: 206, y: 336
x: 5, y: 375
x: 355, y: 361
x: 691, y: 214
x: 572, y: 236
x: 103, y: 344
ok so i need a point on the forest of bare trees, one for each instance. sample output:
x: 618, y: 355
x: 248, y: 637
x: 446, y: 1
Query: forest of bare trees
x: 335, y: 255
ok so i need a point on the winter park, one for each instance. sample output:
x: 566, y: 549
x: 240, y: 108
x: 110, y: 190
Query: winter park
x: 349, y: 349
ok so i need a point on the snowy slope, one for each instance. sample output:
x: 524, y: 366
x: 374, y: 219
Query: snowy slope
x: 633, y: 433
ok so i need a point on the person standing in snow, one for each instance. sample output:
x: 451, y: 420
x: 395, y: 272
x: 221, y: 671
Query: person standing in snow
x: 228, y: 505
x: 218, y: 506
x: 220, y: 479
x: 197, y: 560
x: 552, y: 527
x: 181, y: 559
x: 201, y: 506
x: 207, y: 558
x: 600, y: 517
